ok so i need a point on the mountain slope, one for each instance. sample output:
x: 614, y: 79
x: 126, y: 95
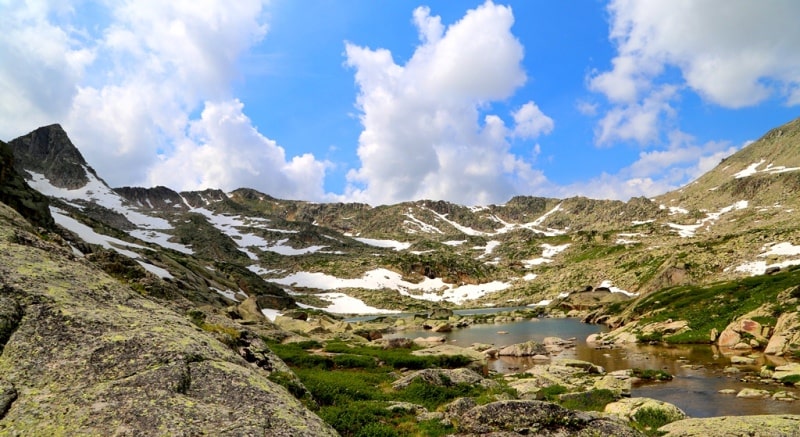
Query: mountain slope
x: 735, y: 221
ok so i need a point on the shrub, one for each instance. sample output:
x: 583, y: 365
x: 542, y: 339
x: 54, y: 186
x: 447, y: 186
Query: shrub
x: 652, y: 375
x: 790, y: 379
x: 352, y: 419
x: 551, y: 393
x: 593, y: 400
x: 431, y: 396
x: 650, y: 419
x: 340, y: 387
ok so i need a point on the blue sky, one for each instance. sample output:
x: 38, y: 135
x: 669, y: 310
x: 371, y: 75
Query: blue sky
x: 381, y: 102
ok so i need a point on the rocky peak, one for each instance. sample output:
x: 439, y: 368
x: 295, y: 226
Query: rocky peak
x: 48, y: 150
x: 156, y: 198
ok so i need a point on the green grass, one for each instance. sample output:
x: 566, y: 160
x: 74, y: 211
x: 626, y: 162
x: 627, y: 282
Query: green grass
x: 790, y: 380
x: 400, y: 358
x: 649, y: 420
x: 592, y: 400
x: 714, y: 306
x: 596, y: 252
x: 552, y: 392
x: 351, y: 387
x: 651, y: 374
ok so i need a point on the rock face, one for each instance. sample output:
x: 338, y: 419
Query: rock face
x: 16, y: 193
x: 85, y: 355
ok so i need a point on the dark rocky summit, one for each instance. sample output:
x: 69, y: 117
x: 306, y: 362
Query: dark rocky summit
x: 49, y: 151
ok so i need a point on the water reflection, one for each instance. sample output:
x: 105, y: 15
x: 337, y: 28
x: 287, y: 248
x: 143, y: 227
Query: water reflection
x: 698, y: 369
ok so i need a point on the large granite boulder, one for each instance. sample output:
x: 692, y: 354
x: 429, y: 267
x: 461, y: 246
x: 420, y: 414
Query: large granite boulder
x: 90, y: 356
x: 538, y: 418
x: 627, y: 408
x: 527, y: 349
x: 778, y: 425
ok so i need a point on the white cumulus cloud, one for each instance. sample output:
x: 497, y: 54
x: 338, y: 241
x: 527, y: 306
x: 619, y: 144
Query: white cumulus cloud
x: 145, y: 93
x: 424, y: 133
x: 733, y: 53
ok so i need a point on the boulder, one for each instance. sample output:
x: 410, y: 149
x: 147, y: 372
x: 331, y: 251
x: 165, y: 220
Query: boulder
x: 527, y: 349
x: 440, y: 377
x: 91, y: 356
x: 621, y: 386
x: 737, y: 359
x: 728, y: 338
x: 785, y: 396
x: 627, y: 408
x: 531, y: 417
x: 440, y: 314
x: 752, y: 393
x: 786, y: 370
x: 442, y: 327
x: 586, y: 366
x: 451, y: 350
x: 786, y: 333
x: 784, y: 425
x: 427, y: 341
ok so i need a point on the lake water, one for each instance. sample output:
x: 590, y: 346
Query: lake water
x: 694, y: 389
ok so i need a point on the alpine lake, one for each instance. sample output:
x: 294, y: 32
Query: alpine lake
x: 697, y: 370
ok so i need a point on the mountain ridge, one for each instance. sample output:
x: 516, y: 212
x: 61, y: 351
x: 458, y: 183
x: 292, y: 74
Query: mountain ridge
x: 640, y: 245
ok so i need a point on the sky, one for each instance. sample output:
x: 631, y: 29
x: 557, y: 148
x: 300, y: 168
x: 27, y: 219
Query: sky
x: 472, y: 102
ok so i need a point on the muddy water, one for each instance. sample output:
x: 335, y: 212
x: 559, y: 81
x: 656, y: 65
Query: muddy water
x: 697, y: 369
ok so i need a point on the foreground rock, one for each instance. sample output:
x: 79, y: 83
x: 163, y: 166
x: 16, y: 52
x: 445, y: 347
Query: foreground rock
x: 784, y: 425
x: 441, y: 377
x: 91, y: 357
x: 629, y: 407
x: 512, y: 418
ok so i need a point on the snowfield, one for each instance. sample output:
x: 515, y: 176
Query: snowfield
x: 434, y: 290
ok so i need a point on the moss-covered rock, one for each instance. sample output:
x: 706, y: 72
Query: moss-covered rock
x: 90, y: 356
x: 538, y: 418
x: 784, y: 425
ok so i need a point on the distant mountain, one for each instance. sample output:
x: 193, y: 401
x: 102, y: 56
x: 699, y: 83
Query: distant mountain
x: 416, y: 254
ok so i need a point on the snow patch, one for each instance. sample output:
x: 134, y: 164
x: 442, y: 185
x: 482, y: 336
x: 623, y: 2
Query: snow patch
x: 158, y: 271
x: 770, y: 168
x: 270, y: 313
x: 608, y: 284
x: 390, y: 244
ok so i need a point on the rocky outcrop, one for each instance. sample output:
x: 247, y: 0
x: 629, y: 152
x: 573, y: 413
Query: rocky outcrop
x: 90, y: 356
x: 786, y: 333
x: 784, y: 425
x: 519, y: 417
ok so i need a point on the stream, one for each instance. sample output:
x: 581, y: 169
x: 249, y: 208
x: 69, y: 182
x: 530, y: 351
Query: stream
x: 697, y: 369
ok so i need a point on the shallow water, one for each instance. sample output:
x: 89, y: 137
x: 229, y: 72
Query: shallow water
x: 697, y: 369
